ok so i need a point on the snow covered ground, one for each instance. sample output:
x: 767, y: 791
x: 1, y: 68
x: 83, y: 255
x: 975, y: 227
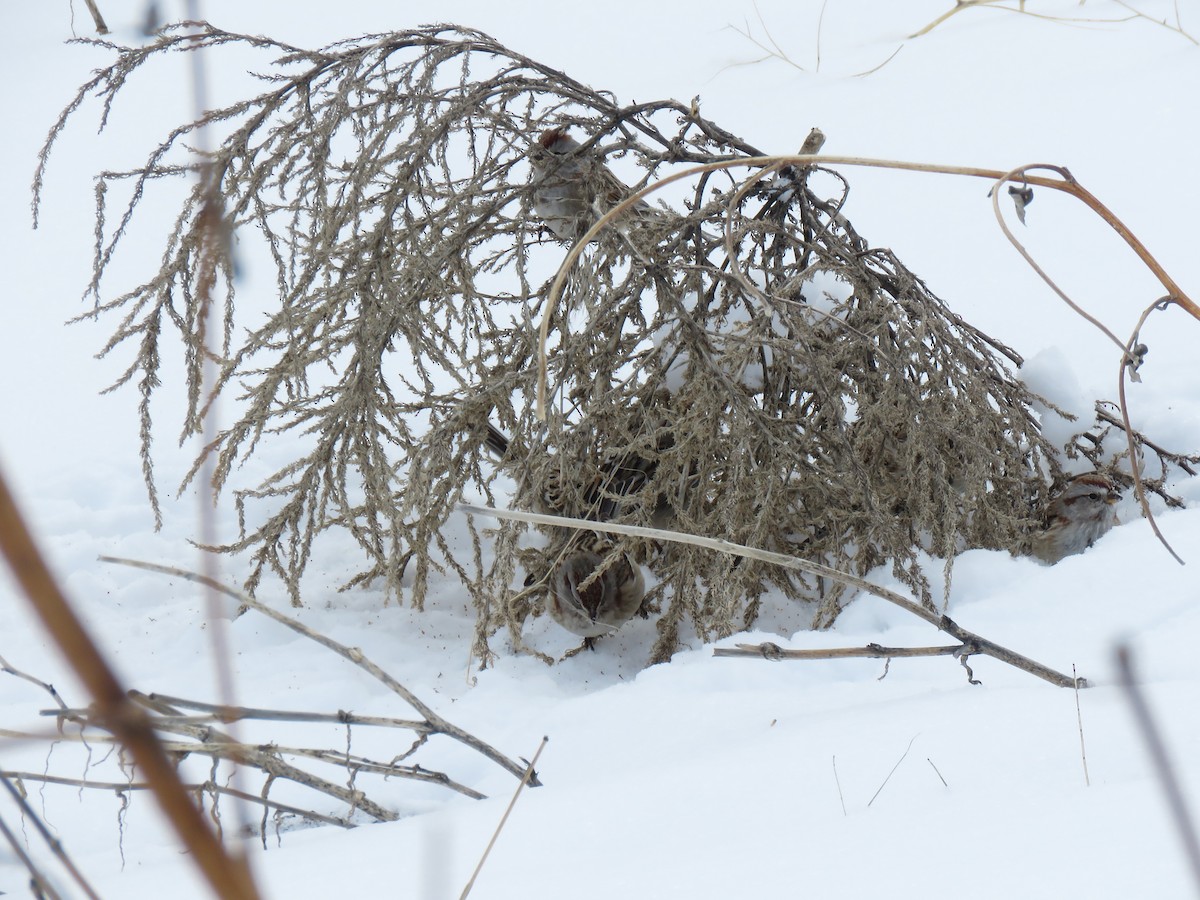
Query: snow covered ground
x: 704, y: 778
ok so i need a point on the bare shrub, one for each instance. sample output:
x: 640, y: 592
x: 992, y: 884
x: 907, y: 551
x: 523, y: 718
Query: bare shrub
x: 775, y: 379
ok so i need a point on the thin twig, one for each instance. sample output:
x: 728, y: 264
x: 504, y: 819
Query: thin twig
x: 209, y: 787
x: 960, y: 5
x: 208, y: 742
x: 935, y: 769
x: 769, y: 650
x: 1181, y: 460
x: 354, y: 655
x: 1079, y: 718
x: 1135, y: 468
x: 7, y: 668
x: 838, y: 782
x: 39, y: 882
x: 54, y: 843
x: 1016, y: 175
x: 1177, y: 27
x: 229, y: 714
x: 528, y: 777
x: 772, y: 52
x: 893, y: 772
x: 220, y: 745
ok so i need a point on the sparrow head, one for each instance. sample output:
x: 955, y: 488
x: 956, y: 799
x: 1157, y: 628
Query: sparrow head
x: 595, y: 589
x: 556, y: 141
x: 1086, y: 497
x: 1079, y: 516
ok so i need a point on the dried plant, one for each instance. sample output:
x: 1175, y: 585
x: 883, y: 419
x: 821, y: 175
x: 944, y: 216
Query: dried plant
x: 183, y: 728
x: 1020, y: 8
x: 1112, y: 456
x: 773, y: 378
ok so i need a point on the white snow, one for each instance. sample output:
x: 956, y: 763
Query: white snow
x: 705, y: 778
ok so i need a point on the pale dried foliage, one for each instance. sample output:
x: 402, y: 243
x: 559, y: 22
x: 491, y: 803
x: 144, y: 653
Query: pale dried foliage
x: 388, y: 177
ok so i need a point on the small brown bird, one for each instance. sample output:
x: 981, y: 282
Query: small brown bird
x: 1079, y: 516
x: 594, y: 589
x: 613, y: 489
x: 571, y: 190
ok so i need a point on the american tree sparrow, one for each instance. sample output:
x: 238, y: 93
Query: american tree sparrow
x: 594, y: 589
x: 571, y: 190
x: 1077, y: 517
x: 615, y: 485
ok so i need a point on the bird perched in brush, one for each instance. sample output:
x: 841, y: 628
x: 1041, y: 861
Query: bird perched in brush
x: 1078, y: 517
x: 612, y: 487
x: 594, y: 588
x: 573, y: 189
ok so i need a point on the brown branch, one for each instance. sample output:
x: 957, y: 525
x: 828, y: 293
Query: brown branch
x: 226, y: 872
x: 220, y: 745
x: 119, y: 787
x: 972, y: 643
x: 218, y: 749
x: 46, y: 686
x: 1134, y: 455
x: 1182, y: 460
x: 772, y: 651
x: 234, y: 713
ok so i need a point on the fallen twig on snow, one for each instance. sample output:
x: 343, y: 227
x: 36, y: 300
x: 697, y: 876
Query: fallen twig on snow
x: 435, y: 723
x: 970, y: 643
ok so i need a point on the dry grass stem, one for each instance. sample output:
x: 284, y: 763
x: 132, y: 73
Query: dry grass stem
x: 205, y: 789
x: 772, y: 50
x: 903, y: 756
x: 770, y: 650
x: 526, y: 779
x: 838, y: 782
x: 197, y: 735
x: 961, y: 5
x: 1079, y: 718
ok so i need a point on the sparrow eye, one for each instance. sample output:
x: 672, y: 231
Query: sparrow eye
x: 1094, y: 495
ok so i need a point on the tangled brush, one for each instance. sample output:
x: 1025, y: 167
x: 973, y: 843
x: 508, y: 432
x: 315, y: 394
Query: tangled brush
x: 747, y: 363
